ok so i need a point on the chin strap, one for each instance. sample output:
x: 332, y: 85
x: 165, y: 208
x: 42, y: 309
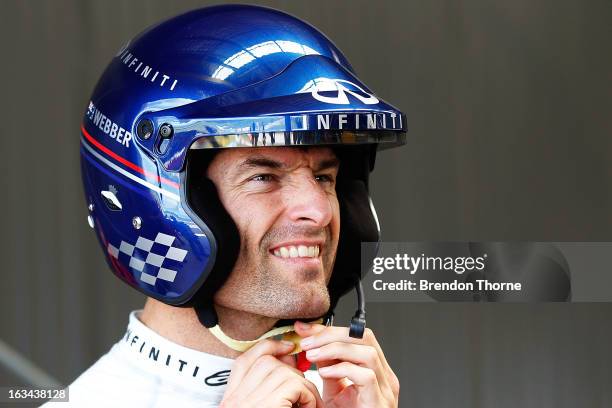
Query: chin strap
x: 286, y: 332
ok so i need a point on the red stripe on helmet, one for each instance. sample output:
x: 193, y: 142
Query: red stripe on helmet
x: 125, y: 162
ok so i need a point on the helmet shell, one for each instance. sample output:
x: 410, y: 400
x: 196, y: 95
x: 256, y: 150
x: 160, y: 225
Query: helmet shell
x: 136, y: 194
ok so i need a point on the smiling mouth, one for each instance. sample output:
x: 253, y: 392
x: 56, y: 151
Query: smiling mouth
x: 297, y: 251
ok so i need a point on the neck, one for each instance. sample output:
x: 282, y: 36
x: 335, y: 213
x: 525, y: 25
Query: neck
x: 181, y: 325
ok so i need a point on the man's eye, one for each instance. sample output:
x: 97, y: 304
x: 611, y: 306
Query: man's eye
x: 324, y: 178
x: 263, y: 177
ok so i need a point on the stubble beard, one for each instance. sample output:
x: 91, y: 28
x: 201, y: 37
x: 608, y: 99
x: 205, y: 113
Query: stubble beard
x: 266, y: 290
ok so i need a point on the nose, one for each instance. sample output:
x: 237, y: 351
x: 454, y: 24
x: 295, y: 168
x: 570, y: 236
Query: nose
x: 308, y: 202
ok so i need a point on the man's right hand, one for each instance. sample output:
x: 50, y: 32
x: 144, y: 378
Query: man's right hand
x: 265, y: 376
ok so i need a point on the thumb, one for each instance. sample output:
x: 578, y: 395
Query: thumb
x: 307, y: 329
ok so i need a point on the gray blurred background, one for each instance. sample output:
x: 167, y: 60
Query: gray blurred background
x: 509, y: 139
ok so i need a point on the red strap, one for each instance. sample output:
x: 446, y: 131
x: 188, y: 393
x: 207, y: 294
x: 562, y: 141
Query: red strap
x: 302, y: 362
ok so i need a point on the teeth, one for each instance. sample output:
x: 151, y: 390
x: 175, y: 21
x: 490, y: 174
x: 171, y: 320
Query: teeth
x: 301, y: 251
x: 284, y: 252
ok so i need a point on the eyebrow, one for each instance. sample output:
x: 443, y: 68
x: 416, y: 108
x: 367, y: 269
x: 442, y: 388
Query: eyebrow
x: 266, y: 162
x: 259, y: 161
x: 328, y: 164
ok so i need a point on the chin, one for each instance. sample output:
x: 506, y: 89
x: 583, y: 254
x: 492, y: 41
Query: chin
x: 276, y: 298
x: 308, y: 307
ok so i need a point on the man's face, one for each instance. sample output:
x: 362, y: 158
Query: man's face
x: 283, y: 201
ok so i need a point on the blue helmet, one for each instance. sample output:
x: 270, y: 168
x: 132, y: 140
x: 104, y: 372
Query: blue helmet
x: 219, y: 77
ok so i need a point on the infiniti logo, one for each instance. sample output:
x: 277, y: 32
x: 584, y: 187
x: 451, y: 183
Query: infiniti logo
x: 342, y: 86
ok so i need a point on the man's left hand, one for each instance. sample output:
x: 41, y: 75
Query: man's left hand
x: 355, y: 372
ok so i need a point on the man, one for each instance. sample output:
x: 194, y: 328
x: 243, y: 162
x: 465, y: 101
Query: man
x: 234, y: 245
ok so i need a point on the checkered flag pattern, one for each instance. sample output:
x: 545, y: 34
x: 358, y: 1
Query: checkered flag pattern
x: 148, y: 263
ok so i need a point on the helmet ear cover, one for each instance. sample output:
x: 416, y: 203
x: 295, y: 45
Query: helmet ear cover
x: 357, y: 224
x: 206, y: 210
x: 357, y: 221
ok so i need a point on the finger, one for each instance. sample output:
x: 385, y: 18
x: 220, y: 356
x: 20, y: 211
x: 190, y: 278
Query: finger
x: 243, y: 363
x: 261, y: 371
x: 363, y: 355
x: 331, y: 386
x: 317, y: 335
x: 305, y: 330
x: 293, y: 391
x: 290, y: 360
x: 362, y: 377
x: 271, y: 382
